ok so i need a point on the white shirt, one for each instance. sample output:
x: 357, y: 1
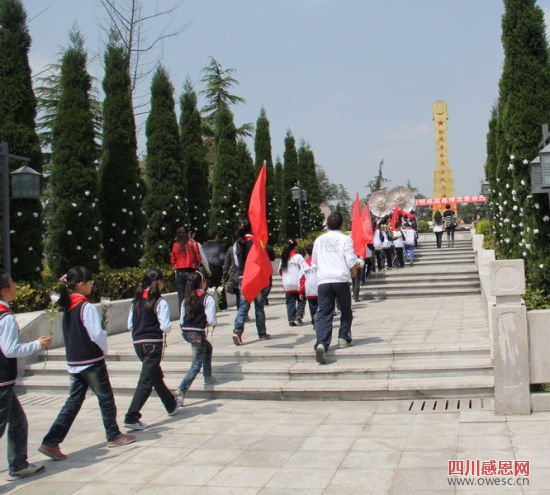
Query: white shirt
x: 291, y: 274
x: 163, y: 315
x: 310, y: 275
x: 9, y: 338
x: 410, y: 236
x: 397, y: 239
x: 92, y: 323
x: 333, y: 257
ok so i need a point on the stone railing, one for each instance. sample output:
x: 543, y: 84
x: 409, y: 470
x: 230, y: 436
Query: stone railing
x: 520, y: 339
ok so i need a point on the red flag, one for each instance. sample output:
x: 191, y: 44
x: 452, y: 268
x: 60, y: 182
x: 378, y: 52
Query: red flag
x: 367, y: 224
x: 357, y: 232
x: 395, y: 218
x: 257, y: 268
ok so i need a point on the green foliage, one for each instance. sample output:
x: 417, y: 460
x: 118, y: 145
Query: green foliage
x: 312, y: 217
x: 32, y: 297
x: 536, y: 298
x: 74, y: 232
x: 164, y: 203
x: 120, y: 185
x: 423, y: 226
x: 17, y: 128
x: 489, y: 242
x: 247, y: 176
x: 278, y: 179
x: 483, y: 226
x: 262, y: 151
x: 379, y: 181
x: 227, y: 199
x: 290, y: 227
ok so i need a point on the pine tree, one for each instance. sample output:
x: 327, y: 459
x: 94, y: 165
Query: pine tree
x: 74, y: 233
x: 227, y: 199
x: 290, y: 227
x: 262, y: 151
x: 524, y: 104
x: 195, y: 166
x: 17, y: 128
x: 164, y: 204
x: 120, y: 184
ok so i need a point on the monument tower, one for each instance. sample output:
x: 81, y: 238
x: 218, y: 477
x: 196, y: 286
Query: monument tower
x: 444, y: 185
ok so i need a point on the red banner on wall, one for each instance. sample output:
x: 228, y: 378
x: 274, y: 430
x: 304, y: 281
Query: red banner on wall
x: 452, y: 199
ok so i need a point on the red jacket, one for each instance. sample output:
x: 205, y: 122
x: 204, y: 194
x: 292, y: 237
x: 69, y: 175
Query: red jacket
x: 190, y: 257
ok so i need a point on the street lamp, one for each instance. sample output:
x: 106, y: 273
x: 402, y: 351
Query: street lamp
x: 25, y: 185
x: 540, y: 166
x: 485, y: 189
x: 299, y: 194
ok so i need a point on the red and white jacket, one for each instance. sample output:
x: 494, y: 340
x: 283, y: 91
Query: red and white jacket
x: 308, y: 280
x: 291, y: 275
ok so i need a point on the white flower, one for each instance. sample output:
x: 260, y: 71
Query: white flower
x: 113, y: 224
x: 54, y: 297
x: 522, y: 182
x: 525, y: 161
x: 74, y: 205
x: 515, y: 207
x: 124, y: 210
x: 69, y: 232
x: 524, y: 254
x: 86, y: 193
x: 512, y: 157
x: 505, y: 202
x: 507, y: 240
x: 164, y: 212
x: 541, y: 266
x: 15, y: 260
x: 94, y: 257
x: 511, y: 167
x: 123, y: 249
x: 537, y: 206
x: 89, y: 238
x: 19, y: 214
x: 30, y: 248
x: 35, y: 214
x: 528, y: 245
x: 545, y: 218
x: 498, y: 180
x: 535, y: 231
x: 96, y: 228
x: 507, y: 186
x: 78, y: 248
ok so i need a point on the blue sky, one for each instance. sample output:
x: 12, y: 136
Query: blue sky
x: 356, y: 79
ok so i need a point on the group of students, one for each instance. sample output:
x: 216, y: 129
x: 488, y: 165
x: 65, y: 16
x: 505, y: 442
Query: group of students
x: 86, y: 348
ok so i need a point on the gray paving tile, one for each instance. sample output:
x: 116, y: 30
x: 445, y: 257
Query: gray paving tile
x: 367, y: 481
x: 191, y: 475
x: 372, y: 460
x: 274, y: 458
x: 301, y: 478
x: 420, y: 479
x: 246, y: 477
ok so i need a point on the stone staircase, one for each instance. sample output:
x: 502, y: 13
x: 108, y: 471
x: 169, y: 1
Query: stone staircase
x: 402, y: 349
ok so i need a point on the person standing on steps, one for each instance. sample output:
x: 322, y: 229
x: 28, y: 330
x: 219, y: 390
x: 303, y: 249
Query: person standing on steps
x: 449, y: 221
x: 438, y: 228
x: 410, y: 241
x: 333, y: 258
x: 291, y: 265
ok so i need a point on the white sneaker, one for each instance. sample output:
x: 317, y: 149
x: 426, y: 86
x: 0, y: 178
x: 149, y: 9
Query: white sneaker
x: 30, y: 470
x: 343, y: 343
x: 138, y: 425
x: 179, y: 398
x: 320, y: 354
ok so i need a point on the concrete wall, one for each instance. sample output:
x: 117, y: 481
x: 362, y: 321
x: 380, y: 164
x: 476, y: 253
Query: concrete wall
x: 539, y: 344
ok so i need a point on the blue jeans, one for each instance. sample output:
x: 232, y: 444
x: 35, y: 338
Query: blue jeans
x: 96, y: 378
x: 409, y: 251
x: 151, y: 377
x: 328, y: 294
x: 244, y: 306
x: 202, y: 357
x: 313, y: 307
x: 13, y: 417
x: 182, y: 275
x: 295, y: 306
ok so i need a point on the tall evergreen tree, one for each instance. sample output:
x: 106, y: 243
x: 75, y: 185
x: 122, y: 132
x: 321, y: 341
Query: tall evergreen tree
x: 164, y: 204
x: 262, y: 151
x: 524, y: 104
x: 247, y: 175
x: 74, y: 233
x: 290, y: 227
x: 312, y: 217
x: 17, y: 128
x: 120, y: 184
x: 195, y: 166
x: 279, y: 196
x: 226, y: 196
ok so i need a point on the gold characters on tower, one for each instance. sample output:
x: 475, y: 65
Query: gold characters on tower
x: 444, y: 186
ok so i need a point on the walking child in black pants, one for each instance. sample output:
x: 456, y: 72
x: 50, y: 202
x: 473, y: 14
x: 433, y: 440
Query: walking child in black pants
x: 86, y: 348
x: 149, y: 322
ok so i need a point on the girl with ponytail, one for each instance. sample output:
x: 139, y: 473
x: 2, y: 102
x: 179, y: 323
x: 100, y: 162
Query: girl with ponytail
x: 291, y: 266
x: 198, y: 311
x: 149, y: 322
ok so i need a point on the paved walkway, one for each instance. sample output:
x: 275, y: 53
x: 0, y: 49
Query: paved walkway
x: 305, y: 448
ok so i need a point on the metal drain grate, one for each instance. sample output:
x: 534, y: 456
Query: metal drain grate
x: 449, y: 405
x: 39, y: 400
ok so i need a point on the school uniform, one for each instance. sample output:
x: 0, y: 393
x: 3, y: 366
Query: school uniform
x: 399, y: 245
x: 149, y: 322
x: 86, y: 348
x: 309, y: 287
x: 378, y: 239
x: 291, y: 283
x: 12, y: 415
x: 387, y: 247
x: 410, y: 240
x: 193, y: 330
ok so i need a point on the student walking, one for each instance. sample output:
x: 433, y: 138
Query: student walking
x: 410, y: 241
x: 198, y: 311
x: 290, y: 267
x: 308, y: 285
x: 449, y: 222
x: 149, y: 322
x: 12, y: 415
x: 438, y: 228
x: 399, y: 244
x: 333, y: 258
x: 86, y: 348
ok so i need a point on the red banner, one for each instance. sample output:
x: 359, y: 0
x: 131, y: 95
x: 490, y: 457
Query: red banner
x: 452, y: 199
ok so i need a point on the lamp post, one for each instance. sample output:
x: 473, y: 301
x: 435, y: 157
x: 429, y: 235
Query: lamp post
x: 540, y: 166
x: 299, y: 194
x: 25, y: 185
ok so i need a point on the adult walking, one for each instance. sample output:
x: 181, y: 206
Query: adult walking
x: 186, y: 258
x: 449, y: 221
x: 215, y: 255
x: 333, y: 258
x: 438, y: 228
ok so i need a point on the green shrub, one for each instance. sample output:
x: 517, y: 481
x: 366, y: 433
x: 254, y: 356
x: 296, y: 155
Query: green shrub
x: 33, y: 297
x: 489, y: 241
x: 309, y: 238
x: 537, y: 298
x: 483, y: 226
x: 423, y: 226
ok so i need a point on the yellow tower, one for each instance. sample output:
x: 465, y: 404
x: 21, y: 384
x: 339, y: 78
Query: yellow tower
x: 444, y: 185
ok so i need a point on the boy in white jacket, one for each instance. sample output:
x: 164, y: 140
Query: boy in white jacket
x: 290, y: 268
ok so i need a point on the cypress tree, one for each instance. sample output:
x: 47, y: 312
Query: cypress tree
x: 164, y: 203
x: 226, y: 196
x: 195, y: 188
x: 247, y: 176
x: 262, y: 152
x: 17, y: 128
x: 290, y: 227
x: 312, y: 217
x: 278, y: 179
x: 120, y: 184
x: 74, y: 233
x: 524, y: 104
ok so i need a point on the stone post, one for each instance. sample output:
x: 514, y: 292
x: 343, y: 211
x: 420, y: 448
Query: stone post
x: 510, y: 342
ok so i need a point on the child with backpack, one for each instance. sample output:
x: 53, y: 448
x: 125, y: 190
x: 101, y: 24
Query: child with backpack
x: 449, y: 221
x: 12, y: 415
x: 198, y: 311
x: 149, y: 322
x: 86, y: 348
x: 290, y: 267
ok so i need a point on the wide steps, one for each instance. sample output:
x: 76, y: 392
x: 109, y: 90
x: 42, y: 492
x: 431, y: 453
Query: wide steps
x: 408, y: 292
x: 329, y: 389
